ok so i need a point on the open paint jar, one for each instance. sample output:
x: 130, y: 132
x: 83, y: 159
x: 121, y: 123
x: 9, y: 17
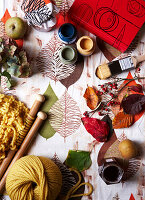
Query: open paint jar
x: 85, y: 46
x: 67, y: 33
x: 111, y: 172
x: 68, y: 55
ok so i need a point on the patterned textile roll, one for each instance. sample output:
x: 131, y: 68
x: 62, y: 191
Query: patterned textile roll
x: 40, y: 13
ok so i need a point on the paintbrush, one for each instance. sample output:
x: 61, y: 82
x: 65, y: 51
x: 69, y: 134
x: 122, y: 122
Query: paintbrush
x: 116, y: 67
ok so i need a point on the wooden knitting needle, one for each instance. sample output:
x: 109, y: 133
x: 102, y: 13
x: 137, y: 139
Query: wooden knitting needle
x: 32, y: 113
x: 41, y: 116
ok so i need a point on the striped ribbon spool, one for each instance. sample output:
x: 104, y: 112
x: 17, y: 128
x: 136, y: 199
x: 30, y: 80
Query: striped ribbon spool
x: 24, y: 131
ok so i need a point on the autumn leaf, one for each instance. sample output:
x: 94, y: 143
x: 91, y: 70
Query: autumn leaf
x: 91, y: 97
x: 79, y: 160
x: 136, y: 88
x: 122, y: 120
x: 133, y: 104
x: 97, y: 128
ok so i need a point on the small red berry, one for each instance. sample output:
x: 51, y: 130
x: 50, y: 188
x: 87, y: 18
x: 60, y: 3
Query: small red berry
x: 101, y: 93
x: 102, y: 86
x: 106, y: 109
x: 99, y: 113
x: 108, y: 104
x: 86, y: 114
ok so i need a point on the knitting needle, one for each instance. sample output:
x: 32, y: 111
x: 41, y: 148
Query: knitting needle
x: 41, y: 116
x: 32, y: 113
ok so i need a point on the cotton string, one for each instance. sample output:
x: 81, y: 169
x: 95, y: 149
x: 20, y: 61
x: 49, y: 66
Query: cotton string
x: 34, y: 178
x: 71, y: 192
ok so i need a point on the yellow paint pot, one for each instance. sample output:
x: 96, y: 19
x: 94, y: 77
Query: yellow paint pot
x: 85, y: 46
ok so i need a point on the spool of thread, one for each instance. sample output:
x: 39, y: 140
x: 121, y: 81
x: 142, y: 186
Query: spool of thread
x: 68, y: 55
x: 67, y: 33
x: 85, y: 46
x: 33, y: 177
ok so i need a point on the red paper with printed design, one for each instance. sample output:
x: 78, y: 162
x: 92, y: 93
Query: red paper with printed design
x: 115, y: 22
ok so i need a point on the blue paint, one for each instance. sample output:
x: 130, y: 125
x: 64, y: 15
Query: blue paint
x: 67, y: 33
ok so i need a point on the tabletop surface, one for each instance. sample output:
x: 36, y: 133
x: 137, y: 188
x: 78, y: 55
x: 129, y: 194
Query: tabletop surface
x: 66, y: 86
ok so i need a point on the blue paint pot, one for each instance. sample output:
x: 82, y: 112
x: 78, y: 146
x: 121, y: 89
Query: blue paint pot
x: 67, y: 33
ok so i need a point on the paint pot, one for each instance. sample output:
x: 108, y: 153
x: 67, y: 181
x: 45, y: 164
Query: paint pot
x: 85, y: 46
x: 67, y: 33
x: 110, y: 171
x: 68, y: 55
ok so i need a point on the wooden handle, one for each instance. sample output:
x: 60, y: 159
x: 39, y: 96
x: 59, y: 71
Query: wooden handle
x: 36, y: 105
x: 27, y: 141
x: 32, y: 113
x: 140, y: 58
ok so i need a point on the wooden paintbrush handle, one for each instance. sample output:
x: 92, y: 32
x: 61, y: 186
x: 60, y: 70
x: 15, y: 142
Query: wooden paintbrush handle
x: 27, y: 141
x: 140, y: 58
x: 32, y: 113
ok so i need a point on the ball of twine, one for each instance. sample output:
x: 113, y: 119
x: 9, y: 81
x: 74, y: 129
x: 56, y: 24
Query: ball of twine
x: 34, y: 178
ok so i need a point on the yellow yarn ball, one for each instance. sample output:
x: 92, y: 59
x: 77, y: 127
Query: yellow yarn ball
x: 34, y: 178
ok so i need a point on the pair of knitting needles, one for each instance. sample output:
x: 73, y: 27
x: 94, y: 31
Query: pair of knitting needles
x: 11, y: 159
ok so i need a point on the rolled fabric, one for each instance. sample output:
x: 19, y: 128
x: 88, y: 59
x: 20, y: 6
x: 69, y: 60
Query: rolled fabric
x: 40, y: 13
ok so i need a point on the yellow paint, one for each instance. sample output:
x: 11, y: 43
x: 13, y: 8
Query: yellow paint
x: 85, y: 45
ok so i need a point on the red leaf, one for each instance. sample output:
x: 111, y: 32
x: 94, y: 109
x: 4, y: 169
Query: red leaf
x: 97, y: 128
x: 132, y: 197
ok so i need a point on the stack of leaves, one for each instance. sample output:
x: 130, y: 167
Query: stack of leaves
x: 131, y: 104
x: 13, y: 61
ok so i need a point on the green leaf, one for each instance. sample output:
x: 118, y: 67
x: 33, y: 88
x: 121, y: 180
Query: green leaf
x: 79, y: 160
x: 47, y: 130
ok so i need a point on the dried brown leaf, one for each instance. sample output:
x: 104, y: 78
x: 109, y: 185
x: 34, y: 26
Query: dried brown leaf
x: 122, y: 120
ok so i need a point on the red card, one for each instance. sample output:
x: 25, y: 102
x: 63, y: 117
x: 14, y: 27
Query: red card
x: 114, y: 21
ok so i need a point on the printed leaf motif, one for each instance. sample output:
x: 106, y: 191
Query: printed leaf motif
x: 132, y: 197
x: 97, y: 128
x: 91, y: 97
x: 47, y: 130
x: 122, y: 120
x: 68, y: 180
x: 75, y: 75
x: 133, y: 104
x: 64, y: 6
x: 110, y: 149
x: 72, y: 115
x: 49, y: 63
x: 79, y: 160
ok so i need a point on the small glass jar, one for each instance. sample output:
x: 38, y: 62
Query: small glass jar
x: 85, y: 46
x: 67, y: 33
x: 68, y: 55
x: 110, y: 171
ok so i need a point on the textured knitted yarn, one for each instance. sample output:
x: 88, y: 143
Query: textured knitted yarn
x: 34, y: 178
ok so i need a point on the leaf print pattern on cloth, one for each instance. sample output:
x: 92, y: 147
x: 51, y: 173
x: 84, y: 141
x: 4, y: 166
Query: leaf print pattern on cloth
x: 56, y: 115
x: 68, y: 180
x: 47, y: 130
x: 64, y: 6
x: 49, y: 63
x: 110, y: 149
x: 72, y: 115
